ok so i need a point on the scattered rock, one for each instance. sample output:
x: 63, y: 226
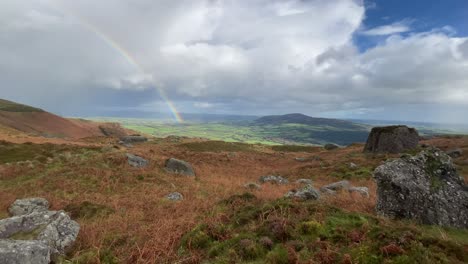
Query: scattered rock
x: 41, y: 235
x: 353, y: 166
x: 425, y: 187
x: 304, y: 181
x: 133, y: 139
x: 21, y: 251
x: 331, y: 146
x: 307, y: 193
x: 136, y: 161
x: 455, y: 153
x: 364, y: 191
x: 252, y: 186
x: 175, y: 196
x: 391, y: 139
x: 179, y: 167
x: 300, y: 159
x: 273, y: 179
x: 27, y: 206
x: 337, y: 186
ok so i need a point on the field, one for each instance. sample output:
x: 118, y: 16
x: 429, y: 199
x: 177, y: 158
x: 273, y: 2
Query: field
x: 125, y: 217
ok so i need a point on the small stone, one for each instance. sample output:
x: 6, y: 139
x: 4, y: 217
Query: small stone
x: 273, y: 179
x: 175, y: 196
x: 364, y: 191
x: 353, y: 165
x: 337, y: 186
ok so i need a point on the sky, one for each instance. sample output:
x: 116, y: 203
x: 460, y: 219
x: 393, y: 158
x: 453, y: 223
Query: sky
x: 377, y: 59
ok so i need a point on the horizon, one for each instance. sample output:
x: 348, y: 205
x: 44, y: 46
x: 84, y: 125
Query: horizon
x: 343, y: 59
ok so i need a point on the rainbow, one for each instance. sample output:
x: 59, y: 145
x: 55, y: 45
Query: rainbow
x: 130, y: 59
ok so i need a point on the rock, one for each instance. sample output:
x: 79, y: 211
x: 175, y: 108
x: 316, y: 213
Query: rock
x: 455, y: 153
x: 391, y: 139
x: 252, y: 186
x: 337, y: 186
x: 175, y: 196
x: 327, y: 191
x: 352, y: 166
x: 133, y: 139
x: 53, y: 230
x: 304, y: 181
x: 425, y: 187
x: 136, y: 161
x: 307, y: 193
x: 112, y: 130
x: 179, y: 167
x: 331, y: 146
x: 27, y: 206
x: 273, y: 179
x: 300, y: 159
x: 24, y: 252
x: 364, y: 191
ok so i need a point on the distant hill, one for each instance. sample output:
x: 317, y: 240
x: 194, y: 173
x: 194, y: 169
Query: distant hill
x: 306, y: 120
x: 30, y: 120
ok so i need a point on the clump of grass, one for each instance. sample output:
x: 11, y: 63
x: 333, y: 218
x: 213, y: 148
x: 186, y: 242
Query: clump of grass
x: 217, y: 146
x: 345, y: 172
x: 295, y: 148
x: 87, y: 210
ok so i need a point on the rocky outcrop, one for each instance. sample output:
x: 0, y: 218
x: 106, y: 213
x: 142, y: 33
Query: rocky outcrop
x: 35, y: 235
x: 179, y: 167
x: 425, y: 187
x: 273, y: 179
x: 306, y: 193
x: 136, y: 161
x: 455, y: 153
x: 391, y: 139
x: 133, y: 139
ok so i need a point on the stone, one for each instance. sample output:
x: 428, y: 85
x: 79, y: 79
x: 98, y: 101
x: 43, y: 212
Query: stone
x: 24, y: 252
x: 273, y: 179
x: 327, y: 191
x: 425, y: 187
x: 300, y: 159
x: 455, y: 153
x: 179, y: 167
x: 391, y: 139
x: 304, y: 181
x: 133, y: 139
x: 136, y: 161
x: 353, y: 165
x: 306, y: 193
x: 53, y: 230
x: 337, y: 186
x: 331, y: 146
x: 27, y: 206
x: 252, y: 186
x: 364, y: 191
x: 175, y: 196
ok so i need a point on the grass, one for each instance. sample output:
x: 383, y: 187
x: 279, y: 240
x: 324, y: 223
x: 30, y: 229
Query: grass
x: 9, y: 106
x: 311, y: 231
x: 295, y: 148
x: 217, y: 146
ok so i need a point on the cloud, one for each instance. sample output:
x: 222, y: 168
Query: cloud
x: 240, y: 57
x: 384, y: 30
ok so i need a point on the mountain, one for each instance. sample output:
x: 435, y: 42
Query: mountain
x: 306, y: 120
x: 20, y: 118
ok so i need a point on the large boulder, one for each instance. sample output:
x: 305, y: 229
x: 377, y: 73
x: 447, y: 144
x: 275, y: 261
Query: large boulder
x: 179, y: 167
x: 306, y: 193
x: 27, y: 206
x: 425, y: 187
x: 41, y: 235
x: 133, y: 139
x: 136, y: 161
x: 391, y: 139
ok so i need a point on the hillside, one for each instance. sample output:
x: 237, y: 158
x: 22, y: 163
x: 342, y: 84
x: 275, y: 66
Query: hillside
x: 306, y: 120
x: 23, y: 119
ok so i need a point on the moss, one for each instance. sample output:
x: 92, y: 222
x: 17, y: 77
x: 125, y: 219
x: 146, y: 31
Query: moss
x: 88, y: 210
x: 28, y: 235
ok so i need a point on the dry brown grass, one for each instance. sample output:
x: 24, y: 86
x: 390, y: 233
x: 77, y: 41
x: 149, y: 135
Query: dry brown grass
x: 145, y: 227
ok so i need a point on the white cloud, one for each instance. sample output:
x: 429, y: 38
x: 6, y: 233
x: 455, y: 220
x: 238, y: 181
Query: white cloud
x: 394, y: 28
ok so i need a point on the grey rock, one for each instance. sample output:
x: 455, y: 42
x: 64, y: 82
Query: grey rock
x: 337, y: 186
x: 455, y: 153
x: 133, y: 139
x: 175, y: 196
x: 331, y: 146
x: 27, y: 206
x: 425, y: 187
x: 179, y: 167
x: 24, y: 252
x: 306, y: 193
x: 136, y: 161
x: 252, y: 186
x: 304, y: 181
x: 364, y: 191
x: 391, y: 139
x: 300, y: 159
x: 273, y: 179
x: 327, y: 191
x: 353, y: 165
